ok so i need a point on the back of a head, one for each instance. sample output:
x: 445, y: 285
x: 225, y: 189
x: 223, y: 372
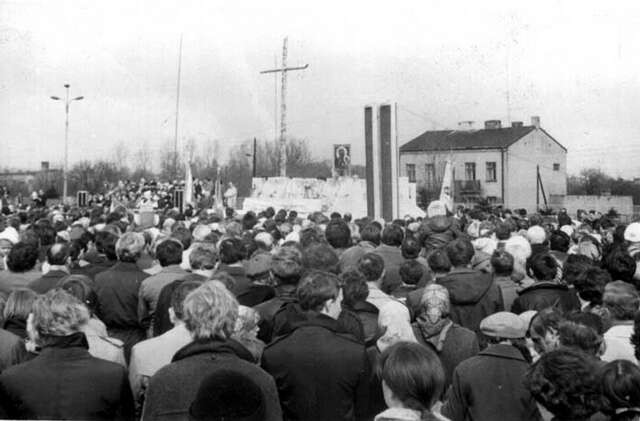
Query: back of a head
x: 564, y: 381
x: 590, y: 284
x: 80, y: 287
x: 286, y: 265
x: 503, y: 231
x: 460, y: 252
x: 392, y: 235
x: 414, y: 374
x: 621, y: 299
x: 438, y: 261
x: 169, y: 252
x: 502, y: 263
x: 231, y: 251
x: 411, y: 272
x: 371, y: 266
x: 620, y: 387
x: 620, y: 265
x: 316, y: 288
x: 338, y: 234
x: 179, y: 294
x: 106, y: 244
x: 210, y: 311
x: 58, y: 254
x: 57, y: 313
x: 574, y: 267
x: 354, y: 287
x: 559, y: 241
x: 183, y: 235
x: 320, y: 257
x: 227, y: 395
x: 582, y: 331
x: 129, y: 247
x: 543, y: 267
x: 22, y: 257
x: 371, y: 233
x: 203, y: 256
x: 19, y: 303
x: 411, y: 247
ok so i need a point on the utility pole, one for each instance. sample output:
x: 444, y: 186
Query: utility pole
x: 283, y: 107
x: 175, y: 135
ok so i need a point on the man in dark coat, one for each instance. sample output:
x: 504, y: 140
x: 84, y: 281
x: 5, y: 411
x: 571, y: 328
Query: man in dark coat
x: 321, y: 374
x: 473, y: 294
x: 58, y: 259
x: 102, y: 258
x: 117, y: 289
x: 209, y: 314
x: 64, y: 381
x: 546, y: 291
x: 490, y: 385
x: 231, y: 256
x: 438, y: 229
x: 391, y: 253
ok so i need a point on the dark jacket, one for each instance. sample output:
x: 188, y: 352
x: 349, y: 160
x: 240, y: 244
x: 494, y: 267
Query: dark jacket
x: 473, y: 296
x: 452, y: 343
x: 66, y: 382
x: 255, y: 294
x: 545, y: 294
x: 239, y: 275
x: 437, y: 231
x: 368, y: 315
x: 161, y: 322
x: 267, y: 310
x: 393, y: 259
x: 321, y: 374
x: 117, y: 290
x: 173, y: 388
x: 47, y: 281
x: 99, y: 263
x: 490, y: 387
x: 12, y: 350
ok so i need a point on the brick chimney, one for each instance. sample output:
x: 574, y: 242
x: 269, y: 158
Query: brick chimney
x: 492, y: 124
x: 516, y: 124
x: 465, y: 125
x: 535, y: 121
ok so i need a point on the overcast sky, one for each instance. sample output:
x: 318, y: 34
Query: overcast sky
x: 575, y: 64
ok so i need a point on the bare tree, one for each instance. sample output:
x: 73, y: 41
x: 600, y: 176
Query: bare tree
x: 142, y: 162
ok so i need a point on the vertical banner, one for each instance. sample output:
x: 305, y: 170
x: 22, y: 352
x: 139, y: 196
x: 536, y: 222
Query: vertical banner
x: 342, y: 159
x: 188, y: 186
x: 446, y: 191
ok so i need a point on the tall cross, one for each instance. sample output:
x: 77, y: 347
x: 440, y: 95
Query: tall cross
x: 282, y: 161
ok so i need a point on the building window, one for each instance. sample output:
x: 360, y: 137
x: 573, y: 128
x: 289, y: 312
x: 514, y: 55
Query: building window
x: 430, y: 175
x: 411, y: 173
x: 556, y: 167
x: 491, y: 171
x: 470, y: 171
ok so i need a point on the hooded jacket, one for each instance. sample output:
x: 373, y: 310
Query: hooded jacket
x: 173, y: 388
x: 473, y: 296
x: 439, y: 230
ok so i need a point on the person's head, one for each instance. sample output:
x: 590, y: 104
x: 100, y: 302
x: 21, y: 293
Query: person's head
x: 559, y: 241
x: 371, y: 233
x: 354, y: 287
x: 54, y: 314
x: 286, y: 266
x: 203, y: 256
x: 231, y: 251
x: 590, y: 284
x: 503, y: 326
x: 129, y: 247
x: 183, y: 235
x: 320, y: 256
x: 502, y: 263
x: 620, y: 387
x: 179, y: 294
x: 411, y: 272
x: 412, y: 376
x: 106, y: 244
x: 22, y: 257
x: 169, y: 252
x: 320, y: 292
x: 620, y: 265
x: 338, y: 234
x: 543, y: 330
x: 543, y: 267
x: 621, y: 300
x: 438, y: 261
x: 392, y: 235
x: 565, y: 383
x: 460, y: 252
x: 58, y: 254
x: 434, y: 304
x: 584, y: 332
x: 80, y: 287
x: 19, y: 304
x: 210, y: 311
x: 371, y: 266
x: 574, y: 267
x: 410, y: 247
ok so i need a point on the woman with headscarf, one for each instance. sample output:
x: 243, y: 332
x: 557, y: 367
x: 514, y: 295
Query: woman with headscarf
x: 433, y: 328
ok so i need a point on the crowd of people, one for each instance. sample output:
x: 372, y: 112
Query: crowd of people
x: 483, y: 314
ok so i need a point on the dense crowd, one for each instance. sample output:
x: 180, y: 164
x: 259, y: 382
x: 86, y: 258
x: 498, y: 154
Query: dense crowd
x: 483, y: 314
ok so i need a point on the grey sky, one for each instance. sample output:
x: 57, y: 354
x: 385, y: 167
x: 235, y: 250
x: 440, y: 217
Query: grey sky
x: 575, y: 64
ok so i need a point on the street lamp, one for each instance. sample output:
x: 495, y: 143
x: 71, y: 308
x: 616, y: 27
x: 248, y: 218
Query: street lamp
x: 65, y: 171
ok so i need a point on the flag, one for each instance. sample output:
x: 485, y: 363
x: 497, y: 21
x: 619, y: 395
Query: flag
x: 446, y: 192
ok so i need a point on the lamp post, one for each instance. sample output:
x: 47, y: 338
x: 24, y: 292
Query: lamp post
x: 65, y: 171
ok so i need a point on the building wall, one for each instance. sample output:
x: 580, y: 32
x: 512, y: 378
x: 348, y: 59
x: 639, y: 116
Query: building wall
x: 459, y: 158
x: 535, y: 149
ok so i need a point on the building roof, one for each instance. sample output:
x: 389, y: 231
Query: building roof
x: 444, y: 140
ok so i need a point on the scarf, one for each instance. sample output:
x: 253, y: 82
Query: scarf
x: 434, y: 333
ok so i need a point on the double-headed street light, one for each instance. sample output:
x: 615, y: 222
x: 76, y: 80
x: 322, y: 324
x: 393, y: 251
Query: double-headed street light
x: 65, y: 171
